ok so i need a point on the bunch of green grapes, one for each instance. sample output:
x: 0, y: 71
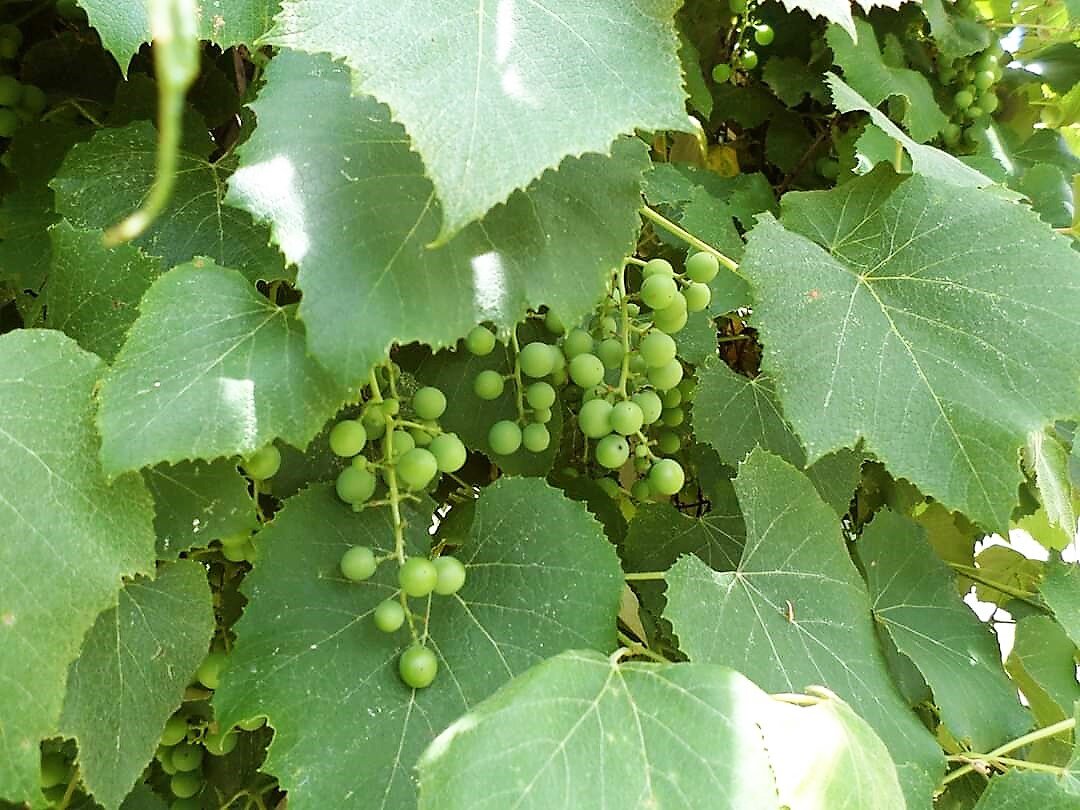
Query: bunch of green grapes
x: 967, y: 88
x: 752, y: 33
x: 410, y: 452
x: 18, y: 102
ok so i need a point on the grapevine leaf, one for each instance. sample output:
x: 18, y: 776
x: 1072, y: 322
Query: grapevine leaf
x: 1061, y: 590
x: 839, y: 11
x: 914, y: 598
x: 1042, y: 665
x: 131, y: 675
x: 697, y: 88
x: 196, y: 502
x: 581, y: 731
x: 323, y: 163
x: 124, y: 27
x: 541, y: 579
x: 890, y: 272
x: 1049, y: 460
x: 791, y: 79
x: 1023, y: 790
x: 795, y: 613
x: 98, y: 308
x: 222, y: 376
x: 955, y: 34
x: 734, y: 414
x: 105, y: 179
x: 926, y: 160
x: 66, y: 537
x: 1005, y: 566
x: 491, y: 101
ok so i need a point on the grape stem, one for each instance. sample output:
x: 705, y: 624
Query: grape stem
x: 634, y: 261
x: 686, y: 236
x: 517, y: 377
x: 636, y: 648
x: 642, y: 576
x: 624, y: 374
x: 996, y: 755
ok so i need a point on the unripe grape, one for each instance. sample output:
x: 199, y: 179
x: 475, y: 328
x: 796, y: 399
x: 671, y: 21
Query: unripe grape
x: 263, y: 464
x: 540, y: 395
x: 688, y: 388
x: 347, y: 438
x: 535, y: 437
x: 34, y: 100
x: 418, y: 666
x: 185, y: 784
x: 642, y: 464
x: 612, y: 451
x: 421, y: 437
x: 578, y: 341
x: 659, y: 291
x: 950, y: 134
x: 541, y: 415
x: 608, y: 325
x: 389, y: 615
x: 594, y: 419
x: 176, y: 729
x: 356, y: 483
x: 402, y: 442
x: 650, y: 405
x: 748, y: 60
x: 9, y: 123
x: 973, y: 113
x: 429, y: 403
x: 374, y: 423
x: 451, y: 575
x: 11, y: 91
x: 657, y: 267
x: 537, y: 359
x: 417, y: 576
x: 984, y: 79
x: 668, y: 442
x: 627, y: 418
x: 417, y: 468
x: 610, y: 352
x: 641, y: 491
x: 586, y: 370
x: 657, y: 349
x: 489, y: 384
x: 984, y: 61
x: 358, y: 563
x: 702, y: 267
x: 673, y: 417
x: 504, y: 437
x: 480, y: 341
x: 390, y: 406
x: 187, y: 757
x: 209, y: 671
x: 988, y: 102
x: 667, y: 376
x: 666, y: 476
x: 721, y: 73
x: 164, y: 757
x: 764, y: 34
x: 698, y: 296
x: 219, y: 744
x: 963, y: 100
x: 672, y: 398
x: 672, y: 319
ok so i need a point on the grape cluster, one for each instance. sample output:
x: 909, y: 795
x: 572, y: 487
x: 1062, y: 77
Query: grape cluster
x: 968, y: 89
x: 18, y: 102
x: 752, y: 34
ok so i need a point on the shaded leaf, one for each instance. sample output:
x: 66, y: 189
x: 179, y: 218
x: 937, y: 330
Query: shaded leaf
x: 1061, y: 590
x: 1023, y: 790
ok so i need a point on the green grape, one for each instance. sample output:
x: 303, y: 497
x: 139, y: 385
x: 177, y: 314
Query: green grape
x: 688, y: 387
x: 449, y: 452
x: 641, y: 491
x: 8, y: 49
x: 950, y: 134
x: 666, y: 377
x: 429, y: 403
x: 748, y: 60
x: 541, y: 415
x: 558, y: 376
x: 608, y: 325
x: 988, y: 102
x: 264, y: 463
x: 537, y: 360
x: 418, y: 666
x: 586, y: 370
x: 374, y: 423
x: 185, y: 784
x: 417, y: 576
x: 672, y: 319
x: 402, y: 442
x: 984, y: 80
x: 627, y: 418
x: 358, y: 564
x: 764, y: 34
x: 390, y: 406
x: 54, y: 770
x: 451, y: 575
x: 164, y: 758
x: 187, y: 756
x: 642, y: 464
x: 657, y: 349
x: 973, y: 113
x: 637, y: 364
x: 540, y: 395
x: 738, y: 6
x: 480, y: 341
x: 34, y: 100
x: 610, y: 352
x: 650, y: 405
x: 666, y: 476
x: 963, y: 100
x: 12, y: 33
x: 672, y: 398
x: 984, y: 61
x: 697, y: 297
x: 489, y: 384
x: 347, y: 438
x: 559, y: 360
x: 10, y: 91
x: 420, y: 436
x: 702, y: 267
x: 389, y: 615
x: 596, y: 392
x: 535, y: 437
x: 657, y: 267
x: 219, y: 744
x: 553, y: 323
x: 355, y: 484
x: 633, y: 310
x: 668, y: 442
x: 673, y: 417
x: 176, y: 729
x: 721, y: 73
x: 504, y: 437
x: 612, y: 451
x: 417, y: 468
x: 594, y: 419
x: 252, y: 724
x: 209, y: 671
x: 659, y: 291
x: 578, y: 341
x: 609, y: 486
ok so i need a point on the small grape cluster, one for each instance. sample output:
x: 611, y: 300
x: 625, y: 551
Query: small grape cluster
x: 744, y: 55
x: 968, y: 86
x: 18, y: 102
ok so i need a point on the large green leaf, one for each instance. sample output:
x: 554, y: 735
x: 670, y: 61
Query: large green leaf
x: 1043, y: 666
x: 131, y: 675
x: 795, y: 613
x: 914, y: 323
x: 323, y: 164
x: 541, y: 579
x: 1026, y: 790
x: 95, y: 308
x: 1061, y: 590
x: 496, y: 95
x: 223, y: 375
x: 582, y: 731
x: 124, y: 27
x: 105, y: 179
x: 66, y: 537
x: 915, y: 599
x: 1048, y: 458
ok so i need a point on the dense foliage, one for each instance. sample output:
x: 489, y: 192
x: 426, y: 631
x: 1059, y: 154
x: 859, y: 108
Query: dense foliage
x: 565, y: 404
